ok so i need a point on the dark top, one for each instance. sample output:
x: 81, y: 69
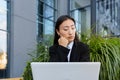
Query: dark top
x: 79, y: 53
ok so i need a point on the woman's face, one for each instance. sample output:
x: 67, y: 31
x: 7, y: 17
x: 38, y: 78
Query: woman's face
x: 67, y: 30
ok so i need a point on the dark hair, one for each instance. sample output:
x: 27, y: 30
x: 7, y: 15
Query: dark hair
x: 59, y: 21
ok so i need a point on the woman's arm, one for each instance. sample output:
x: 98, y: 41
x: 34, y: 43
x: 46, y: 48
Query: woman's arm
x: 58, y: 53
x: 85, y: 56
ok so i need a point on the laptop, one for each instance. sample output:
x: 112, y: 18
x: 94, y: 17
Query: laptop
x: 65, y: 70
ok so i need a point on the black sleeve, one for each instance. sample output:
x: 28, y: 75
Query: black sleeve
x: 85, y: 56
x: 58, y: 53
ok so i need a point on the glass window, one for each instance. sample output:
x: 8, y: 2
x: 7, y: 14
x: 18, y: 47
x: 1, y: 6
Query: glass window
x: 80, y: 11
x: 3, y: 26
x: 107, y: 17
x: 49, y: 12
x: 3, y: 31
x: 46, y: 19
x: 49, y: 2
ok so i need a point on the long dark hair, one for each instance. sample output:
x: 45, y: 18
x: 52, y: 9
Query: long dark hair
x: 59, y: 21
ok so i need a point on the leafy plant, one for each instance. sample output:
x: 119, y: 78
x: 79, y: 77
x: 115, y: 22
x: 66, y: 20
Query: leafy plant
x: 39, y: 55
x: 106, y: 51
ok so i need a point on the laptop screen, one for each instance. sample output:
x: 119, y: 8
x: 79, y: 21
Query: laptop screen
x: 65, y: 70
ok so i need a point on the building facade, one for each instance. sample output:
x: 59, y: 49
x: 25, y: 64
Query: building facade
x: 24, y: 23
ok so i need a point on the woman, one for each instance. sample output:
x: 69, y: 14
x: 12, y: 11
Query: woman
x: 3, y: 60
x: 65, y: 36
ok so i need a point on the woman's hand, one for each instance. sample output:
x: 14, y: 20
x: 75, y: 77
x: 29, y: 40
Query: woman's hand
x: 63, y: 41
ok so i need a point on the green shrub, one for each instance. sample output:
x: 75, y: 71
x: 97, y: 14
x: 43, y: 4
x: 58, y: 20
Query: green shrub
x: 104, y: 50
x: 39, y: 55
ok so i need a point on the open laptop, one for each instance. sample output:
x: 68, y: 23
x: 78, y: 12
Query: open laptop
x: 65, y: 70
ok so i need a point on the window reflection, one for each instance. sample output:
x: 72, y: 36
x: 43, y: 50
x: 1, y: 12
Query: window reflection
x: 46, y: 16
x: 108, y: 20
x: 3, y: 37
x: 80, y: 11
x: 3, y: 40
x: 48, y: 12
x: 3, y: 25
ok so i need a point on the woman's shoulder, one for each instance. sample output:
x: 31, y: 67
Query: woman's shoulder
x: 53, y: 47
x: 81, y: 44
x: 57, y: 46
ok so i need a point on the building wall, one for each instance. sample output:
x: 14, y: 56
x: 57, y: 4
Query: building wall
x: 23, y: 34
x: 23, y: 31
x: 62, y: 7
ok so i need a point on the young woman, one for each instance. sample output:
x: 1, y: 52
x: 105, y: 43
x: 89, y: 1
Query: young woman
x: 66, y: 46
x: 3, y: 60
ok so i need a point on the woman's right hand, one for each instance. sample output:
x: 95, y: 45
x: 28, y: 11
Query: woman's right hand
x: 63, y: 41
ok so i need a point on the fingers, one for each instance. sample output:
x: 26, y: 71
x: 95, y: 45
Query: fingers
x: 63, y: 41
